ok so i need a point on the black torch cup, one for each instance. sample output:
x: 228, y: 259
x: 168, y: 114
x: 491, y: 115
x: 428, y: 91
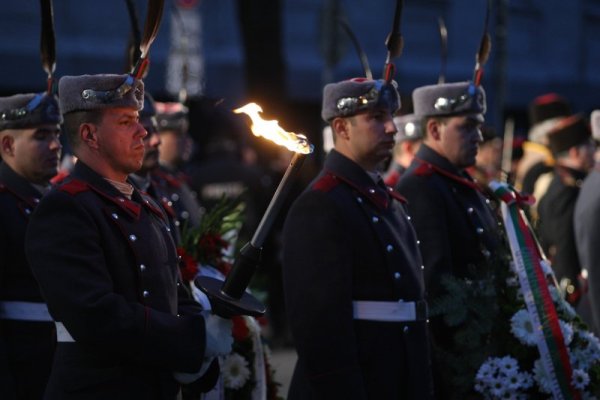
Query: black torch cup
x: 229, y: 298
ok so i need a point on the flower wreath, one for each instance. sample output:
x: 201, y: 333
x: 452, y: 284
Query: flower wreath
x: 246, y: 373
x: 496, y: 340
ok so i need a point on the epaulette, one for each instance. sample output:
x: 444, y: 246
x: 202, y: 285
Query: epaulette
x: 74, y: 186
x: 327, y: 182
x: 424, y: 169
x: 60, y: 177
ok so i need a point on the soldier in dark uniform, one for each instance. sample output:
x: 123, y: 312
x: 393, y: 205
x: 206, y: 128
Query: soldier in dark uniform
x: 573, y: 150
x: 351, y: 265
x: 408, y: 140
x: 174, y: 151
x: 144, y: 179
x: 30, y: 149
x: 456, y: 227
x: 107, y: 265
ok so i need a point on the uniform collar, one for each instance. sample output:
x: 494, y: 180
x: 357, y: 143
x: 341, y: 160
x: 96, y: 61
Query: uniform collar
x: 351, y: 173
x: 18, y: 185
x: 84, y: 173
x: 427, y: 154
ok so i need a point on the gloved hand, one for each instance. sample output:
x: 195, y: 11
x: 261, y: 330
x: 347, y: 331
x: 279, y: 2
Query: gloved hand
x: 219, y: 338
x: 186, y: 377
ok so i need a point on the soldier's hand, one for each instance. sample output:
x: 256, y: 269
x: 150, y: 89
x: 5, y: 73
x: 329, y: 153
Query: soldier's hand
x: 219, y: 338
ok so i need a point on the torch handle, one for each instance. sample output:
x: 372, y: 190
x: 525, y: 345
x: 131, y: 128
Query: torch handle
x: 230, y: 298
x: 242, y: 271
x: 264, y: 227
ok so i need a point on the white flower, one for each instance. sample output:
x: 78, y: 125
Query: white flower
x: 235, y: 371
x: 580, y: 379
x: 587, y: 352
x: 541, y: 377
x: 558, y: 299
x: 526, y: 380
x: 508, y: 366
x: 522, y: 327
x: 499, y: 378
x: 487, y: 370
x: 567, y: 331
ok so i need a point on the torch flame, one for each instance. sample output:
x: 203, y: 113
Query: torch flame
x: 271, y: 130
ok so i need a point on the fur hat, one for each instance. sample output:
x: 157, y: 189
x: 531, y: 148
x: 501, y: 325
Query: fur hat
x: 172, y: 117
x: 348, y: 98
x: 409, y: 127
x: 31, y: 110
x: 449, y: 99
x: 96, y: 92
x: 570, y: 131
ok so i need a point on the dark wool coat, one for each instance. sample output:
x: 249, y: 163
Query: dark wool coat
x: 26, y: 347
x: 346, y: 239
x: 107, y: 267
x: 458, y: 234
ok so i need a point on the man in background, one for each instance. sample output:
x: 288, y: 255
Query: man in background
x: 30, y: 150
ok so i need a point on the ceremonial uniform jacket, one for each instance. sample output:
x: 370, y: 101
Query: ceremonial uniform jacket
x: 173, y: 189
x: 27, y: 341
x: 107, y: 267
x: 456, y: 227
x: 347, y: 239
x: 555, y: 227
x: 458, y: 234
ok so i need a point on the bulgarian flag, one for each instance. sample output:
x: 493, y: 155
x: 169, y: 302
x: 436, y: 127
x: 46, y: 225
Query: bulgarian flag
x: 527, y: 258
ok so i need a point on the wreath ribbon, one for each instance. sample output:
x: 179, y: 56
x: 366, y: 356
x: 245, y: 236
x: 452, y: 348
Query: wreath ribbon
x: 534, y: 286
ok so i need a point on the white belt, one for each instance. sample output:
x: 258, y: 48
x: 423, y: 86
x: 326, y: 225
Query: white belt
x: 24, y: 311
x: 62, y: 334
x: 392, y: 311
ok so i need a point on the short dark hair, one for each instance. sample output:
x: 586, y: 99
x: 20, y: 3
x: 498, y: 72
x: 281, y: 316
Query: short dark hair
x: 74, y: 119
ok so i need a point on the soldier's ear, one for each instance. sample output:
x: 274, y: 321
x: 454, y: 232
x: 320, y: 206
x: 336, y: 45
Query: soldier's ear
x: 340, y: 127
x: 6, y: 144
x: 433, y: 127
x: 87, y: 134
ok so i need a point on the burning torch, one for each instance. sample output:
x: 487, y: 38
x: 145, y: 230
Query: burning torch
x: 229, y: 298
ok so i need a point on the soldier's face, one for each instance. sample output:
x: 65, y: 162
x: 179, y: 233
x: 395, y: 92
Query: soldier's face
x: 458, y: 139
x: 175, y: 147
x: 120, y: 141
x: 370, y: 137
x: 36, y: 153
x: 151, y: 143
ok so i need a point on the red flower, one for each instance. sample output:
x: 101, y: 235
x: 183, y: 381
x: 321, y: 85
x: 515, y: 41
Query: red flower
x: 240, y: 329
x: 210, y: 248
x: 224, y: 267
x: 187, y: 264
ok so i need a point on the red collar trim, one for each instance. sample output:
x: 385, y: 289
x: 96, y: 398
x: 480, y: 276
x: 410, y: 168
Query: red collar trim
x: 426, y: 168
